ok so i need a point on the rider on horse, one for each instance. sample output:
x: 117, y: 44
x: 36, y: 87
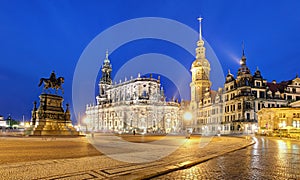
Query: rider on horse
x: 52, y: 82
x: 53, y: 79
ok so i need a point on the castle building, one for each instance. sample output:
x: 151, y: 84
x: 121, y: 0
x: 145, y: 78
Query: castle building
x: 282, y: 121
x: 233, y: 108
x: 292, y: 90
x: 245, y: 96
x: 137, y: 104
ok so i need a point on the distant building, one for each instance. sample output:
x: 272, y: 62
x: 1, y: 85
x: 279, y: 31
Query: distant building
x: 2, y: 122
x: 137, y: 104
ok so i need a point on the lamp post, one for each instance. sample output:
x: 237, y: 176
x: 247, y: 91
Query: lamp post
x: 86, y: 121
x: 187, y: 116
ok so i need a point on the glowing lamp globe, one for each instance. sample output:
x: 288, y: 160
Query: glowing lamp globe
x: 187, y: 116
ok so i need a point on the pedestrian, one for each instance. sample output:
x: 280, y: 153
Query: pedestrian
x: 134, y: 132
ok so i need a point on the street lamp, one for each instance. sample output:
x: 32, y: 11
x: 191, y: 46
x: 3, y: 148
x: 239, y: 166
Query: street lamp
x: 187, y: 116
x: 86, y: 120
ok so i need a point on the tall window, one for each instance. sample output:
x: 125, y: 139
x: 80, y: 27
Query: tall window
x: 248, y: 105
x: 254, y: 93
x: 294, y: 123
x: 248, y: 116
x: 239, y: 106
x: 262, y: 94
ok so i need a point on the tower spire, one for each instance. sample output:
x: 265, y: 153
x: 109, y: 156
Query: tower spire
x: 200, y: 27
x: 200, y: 50
x: 106, y: 70
x: 243, y: 48
x: 243, y: 69
x: 106, y: 57
x: 200, y: 84
x: 243, y: 59
x: 106, y: 54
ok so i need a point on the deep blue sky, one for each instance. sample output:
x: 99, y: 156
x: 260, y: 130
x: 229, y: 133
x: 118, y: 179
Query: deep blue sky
x: 37, y: 37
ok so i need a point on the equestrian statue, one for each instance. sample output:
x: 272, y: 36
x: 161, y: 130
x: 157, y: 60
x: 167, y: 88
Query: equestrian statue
x: 53, y: 82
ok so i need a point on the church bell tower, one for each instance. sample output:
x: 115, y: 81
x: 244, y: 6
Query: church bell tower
x: 200, y: 72
x: 105, y: 80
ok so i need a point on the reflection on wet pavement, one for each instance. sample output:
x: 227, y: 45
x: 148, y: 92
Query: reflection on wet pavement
x: 268, y: 158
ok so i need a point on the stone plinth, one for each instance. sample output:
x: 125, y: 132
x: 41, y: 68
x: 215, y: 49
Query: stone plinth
x: 50, y: 118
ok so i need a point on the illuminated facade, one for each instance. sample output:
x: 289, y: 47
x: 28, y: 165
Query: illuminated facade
x: 137, y: 104
x: 283, y: 121
x: 210, y: 113
x: 233, y: 108
x: 245, y: 95
x: 206, y: 104
x: 292, y: 91
x: 279, y: 121
x: 2, y: 122
x: 200, y: 73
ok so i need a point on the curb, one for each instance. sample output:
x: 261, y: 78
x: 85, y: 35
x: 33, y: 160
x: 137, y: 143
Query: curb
x: 188, y: 164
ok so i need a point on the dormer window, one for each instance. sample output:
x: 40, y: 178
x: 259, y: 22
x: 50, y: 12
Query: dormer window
x: 258, y: 84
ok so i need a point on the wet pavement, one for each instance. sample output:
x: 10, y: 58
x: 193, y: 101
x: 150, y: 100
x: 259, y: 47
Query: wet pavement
x: 268, y: 158
x: 104, y: 166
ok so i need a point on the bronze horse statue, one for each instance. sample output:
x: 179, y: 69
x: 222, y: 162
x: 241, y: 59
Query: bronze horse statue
x: 52, y: 82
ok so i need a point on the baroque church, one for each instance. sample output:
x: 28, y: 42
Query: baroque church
x: 138, y: 104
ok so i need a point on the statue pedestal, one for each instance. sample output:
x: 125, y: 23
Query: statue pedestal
x: 51, y: 119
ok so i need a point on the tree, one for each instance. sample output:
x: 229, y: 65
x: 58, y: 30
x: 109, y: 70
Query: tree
x: 10, y: 121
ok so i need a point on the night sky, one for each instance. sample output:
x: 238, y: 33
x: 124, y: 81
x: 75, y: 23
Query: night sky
x: 38, y: 37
